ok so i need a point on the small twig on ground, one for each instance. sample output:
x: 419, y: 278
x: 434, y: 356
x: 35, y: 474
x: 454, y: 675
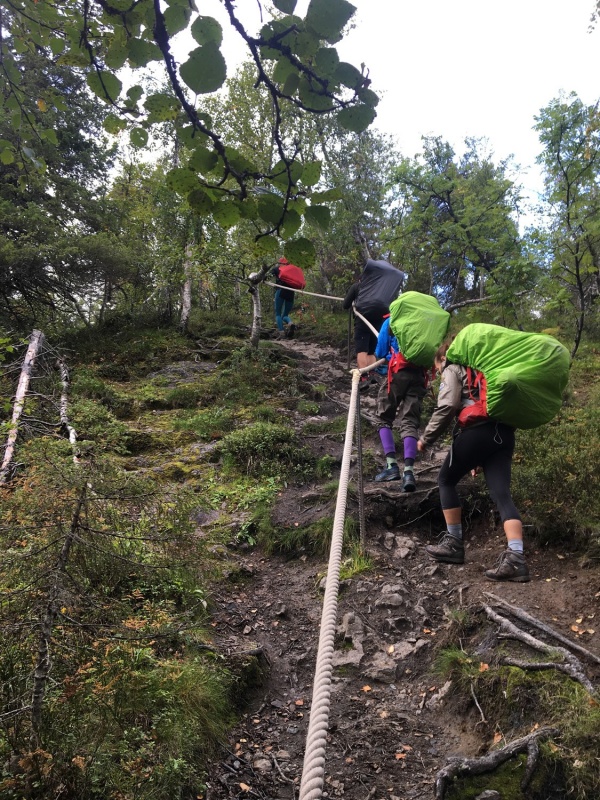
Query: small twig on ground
x: 474, y: 696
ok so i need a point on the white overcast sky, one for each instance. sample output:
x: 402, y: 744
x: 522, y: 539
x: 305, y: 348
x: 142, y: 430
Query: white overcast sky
x: 458, y: 68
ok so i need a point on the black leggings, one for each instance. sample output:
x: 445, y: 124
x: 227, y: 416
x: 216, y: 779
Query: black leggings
x: 489, y: 446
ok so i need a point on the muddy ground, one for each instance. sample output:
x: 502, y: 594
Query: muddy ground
x: 393, y: 722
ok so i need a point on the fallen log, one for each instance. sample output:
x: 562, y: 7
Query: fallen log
x: 461, y: 766
x: 35, y: 343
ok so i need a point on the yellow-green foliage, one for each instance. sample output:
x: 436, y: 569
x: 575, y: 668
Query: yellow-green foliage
x: 266, y: 449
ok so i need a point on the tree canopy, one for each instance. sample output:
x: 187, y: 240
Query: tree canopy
x: 294, y: 60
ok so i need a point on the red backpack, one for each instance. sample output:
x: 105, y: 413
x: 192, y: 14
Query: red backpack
x: 291, y: 276
x: 477, y: 411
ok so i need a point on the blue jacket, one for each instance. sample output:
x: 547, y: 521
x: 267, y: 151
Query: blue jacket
x: 385, y: 341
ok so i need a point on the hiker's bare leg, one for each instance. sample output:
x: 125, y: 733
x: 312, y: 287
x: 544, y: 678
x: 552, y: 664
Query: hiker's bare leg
x: 513, y: 528
x: 453, y: 515
x: 364, y: 360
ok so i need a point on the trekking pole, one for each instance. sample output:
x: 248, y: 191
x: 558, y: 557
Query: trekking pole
x: 361, y: 499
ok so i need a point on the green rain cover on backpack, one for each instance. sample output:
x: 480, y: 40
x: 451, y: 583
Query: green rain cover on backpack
x: 419, y: 324
x: 525, y: 373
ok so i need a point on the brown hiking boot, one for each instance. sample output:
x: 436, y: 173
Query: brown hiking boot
x: 450, y: 550
x: 511, y: 567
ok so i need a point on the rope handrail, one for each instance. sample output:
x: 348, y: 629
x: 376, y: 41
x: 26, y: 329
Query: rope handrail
x: 313, y: 770
x: 302, y: 291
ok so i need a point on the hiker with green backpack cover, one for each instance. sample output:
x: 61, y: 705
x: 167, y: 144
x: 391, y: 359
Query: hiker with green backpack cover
x: 408, y: 340
x: 493, y: 381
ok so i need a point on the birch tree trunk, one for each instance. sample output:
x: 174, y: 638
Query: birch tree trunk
x: 35, y: 343
x: 256, y: 317
x: 186, y: 290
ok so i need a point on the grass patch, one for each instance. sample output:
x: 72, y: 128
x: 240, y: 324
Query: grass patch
x: 265, y: 449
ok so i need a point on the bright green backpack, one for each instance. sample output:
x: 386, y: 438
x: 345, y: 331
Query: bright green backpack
x: 419, y: 324
x: 525, y: 373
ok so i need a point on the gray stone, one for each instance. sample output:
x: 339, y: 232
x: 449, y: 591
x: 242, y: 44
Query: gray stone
x: 489, y: 794
x: 389, y: 601
x: 382, y: 669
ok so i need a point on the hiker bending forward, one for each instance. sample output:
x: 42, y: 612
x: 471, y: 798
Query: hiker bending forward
x: 487, y: 444
x: 401, y: 394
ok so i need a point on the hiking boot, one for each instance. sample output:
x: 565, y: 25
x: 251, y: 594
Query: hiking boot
x: 364, y: 384
x: 450, y: 550
x: 511, y: 567
x: 408, y: 482
x: 291, y: 330
x: 389, y: 474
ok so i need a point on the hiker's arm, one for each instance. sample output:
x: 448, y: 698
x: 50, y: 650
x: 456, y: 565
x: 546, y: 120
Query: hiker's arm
x: 382, y: 348
x: 351, y: 296
x: 448, y: 406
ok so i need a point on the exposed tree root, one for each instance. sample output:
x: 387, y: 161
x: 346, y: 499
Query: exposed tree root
x: 570, y: 663
x: 521, y: 614
x: 459, y: 766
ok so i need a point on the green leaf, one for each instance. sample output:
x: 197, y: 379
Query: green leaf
x: 270, y: 207
x: 207, y: 29
x: 135, y: 92
x: 279, y: 174
x: 205, y: 70
x: 368, y: 97
x: 328, y: 196
x: 283, y: 69
x: 203, y: 160
x: 348, y: 75
x: 162, y: 107
x: 200, y: 202
x: 226, y: 213
x: 312, y: 99
x: 287, y: 6
x: 138, y: 137
x: 7, y: 156
x: 50, y: 136
x: 113, y: 124
x: 104, y: 84
x: 291, y: 223
x: 117, y: 53
x: 326, y: 61
x: 267, y: 245
x: 319, y: 215
x: 56, y: 45
x: 300, y: 252
x: 177, y: 19
x: 191, y: 136
x: 356, y: 118
x: 311, y: 173
x: 141, y: 52
x: 290, y: 87
x: 328, y: 17
x: 182, y: 180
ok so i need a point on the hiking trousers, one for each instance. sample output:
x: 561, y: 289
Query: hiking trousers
x: 489, y: 446
x: 283, y: 308
x: 404, y: 401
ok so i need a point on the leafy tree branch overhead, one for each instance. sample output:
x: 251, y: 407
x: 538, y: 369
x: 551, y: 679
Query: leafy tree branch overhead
x: 294, y: 58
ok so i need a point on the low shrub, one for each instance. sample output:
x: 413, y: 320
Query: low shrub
x: 264, y: 448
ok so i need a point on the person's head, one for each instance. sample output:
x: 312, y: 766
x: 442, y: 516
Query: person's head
x: 283, y: 260
x: 439, y: 359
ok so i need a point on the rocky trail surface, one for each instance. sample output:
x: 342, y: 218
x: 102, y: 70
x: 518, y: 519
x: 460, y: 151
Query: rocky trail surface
x: 393, y: 721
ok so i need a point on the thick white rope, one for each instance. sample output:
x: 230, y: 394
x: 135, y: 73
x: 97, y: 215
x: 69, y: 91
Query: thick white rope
x: 300, y: 291
x: 313, y: 770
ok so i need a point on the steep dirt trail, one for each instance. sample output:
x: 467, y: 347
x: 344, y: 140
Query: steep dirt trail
x: 393, y: 722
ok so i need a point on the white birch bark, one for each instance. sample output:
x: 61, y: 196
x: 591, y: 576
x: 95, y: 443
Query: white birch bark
x: 186, y: 290
x: 35, y: 343
x: 63, y: 409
